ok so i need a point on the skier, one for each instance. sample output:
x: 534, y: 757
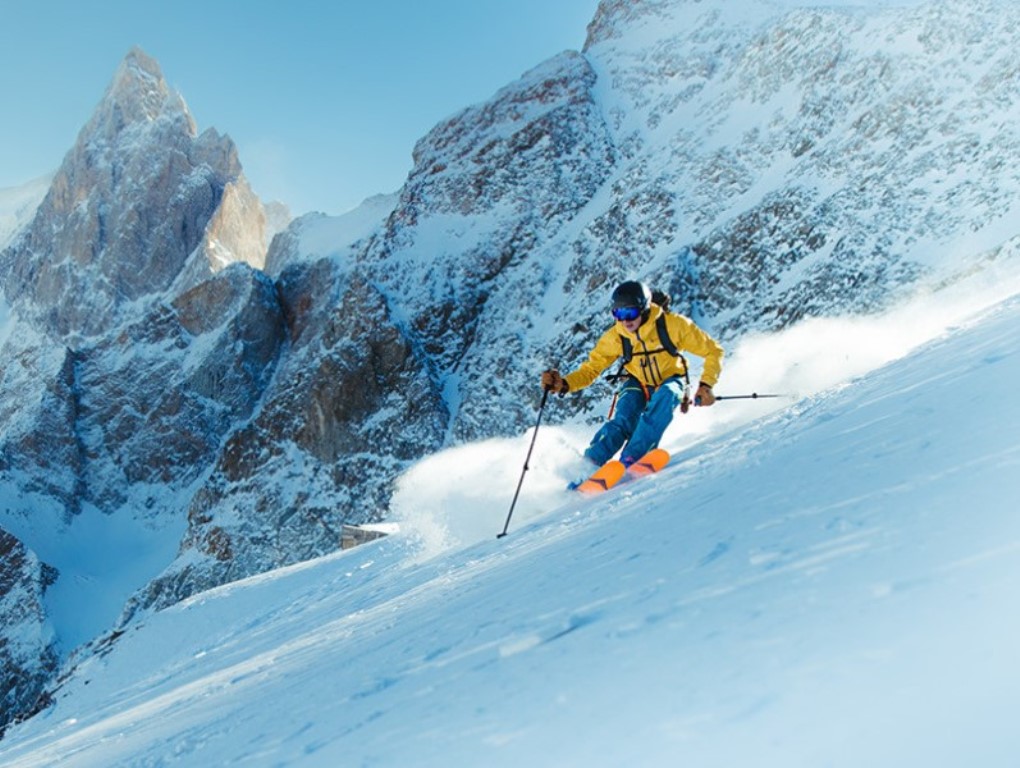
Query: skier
x: 650, y: 340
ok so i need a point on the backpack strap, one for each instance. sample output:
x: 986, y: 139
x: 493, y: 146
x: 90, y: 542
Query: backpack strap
x: 621, y: 373
x: 628, y: 349
x: 669, y: 346
x: 664, y: 339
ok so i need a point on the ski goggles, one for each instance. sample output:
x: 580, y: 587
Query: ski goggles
x: 626, y: 314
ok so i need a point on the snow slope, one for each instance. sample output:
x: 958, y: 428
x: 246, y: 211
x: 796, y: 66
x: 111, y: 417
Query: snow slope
x: 833, y: 584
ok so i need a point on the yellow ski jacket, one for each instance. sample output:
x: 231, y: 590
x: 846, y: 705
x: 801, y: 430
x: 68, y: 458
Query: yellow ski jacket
x: 650, y: 363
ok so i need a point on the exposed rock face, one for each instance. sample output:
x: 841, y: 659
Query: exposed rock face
x: 38, y: 410
x: 463, y: 254
x: 26, y: 654
x: 156, y: 400
x: 350, y: 407
x: 119, y: 422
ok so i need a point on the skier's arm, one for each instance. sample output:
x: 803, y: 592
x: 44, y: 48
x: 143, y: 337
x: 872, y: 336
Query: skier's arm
x: 606, y: 352
x: 695, y: 340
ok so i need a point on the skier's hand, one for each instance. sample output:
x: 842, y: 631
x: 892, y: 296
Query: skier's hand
x: 553, y: 382
x: 704, y: 395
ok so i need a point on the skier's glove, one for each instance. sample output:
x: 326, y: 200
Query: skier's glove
x: 704, y: 395
x: 553, y: 382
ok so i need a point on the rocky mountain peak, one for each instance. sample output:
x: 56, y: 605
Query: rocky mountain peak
x: 613, y: 19
x: 141, y: 205
x: 609, y: 16
x: 137, y: 94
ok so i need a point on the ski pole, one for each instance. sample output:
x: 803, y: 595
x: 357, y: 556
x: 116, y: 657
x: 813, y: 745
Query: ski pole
x: 752, y: 396
x: 545, y: 396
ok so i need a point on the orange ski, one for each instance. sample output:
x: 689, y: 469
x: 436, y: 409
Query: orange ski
x: 651, y: 462
x: 605, y: 477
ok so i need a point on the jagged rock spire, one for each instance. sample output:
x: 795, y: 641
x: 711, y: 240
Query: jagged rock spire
x: 137, y: 94
x: 128, y: 214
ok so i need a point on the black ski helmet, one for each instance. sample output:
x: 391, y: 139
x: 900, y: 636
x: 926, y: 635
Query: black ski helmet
x: 632, y: 294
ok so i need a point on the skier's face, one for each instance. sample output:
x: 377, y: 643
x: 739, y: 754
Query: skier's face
x: 631, y: 325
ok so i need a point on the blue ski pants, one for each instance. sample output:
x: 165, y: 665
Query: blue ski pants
x: 638, y: 421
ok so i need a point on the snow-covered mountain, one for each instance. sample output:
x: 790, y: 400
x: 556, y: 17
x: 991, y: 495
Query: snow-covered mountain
x: 832, y: 585
x: 18, y: 206
x: 218, y: 410
x: 129, y: 351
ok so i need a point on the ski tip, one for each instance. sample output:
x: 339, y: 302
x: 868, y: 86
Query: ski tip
x: 593, y: 487
x: 608, y: 475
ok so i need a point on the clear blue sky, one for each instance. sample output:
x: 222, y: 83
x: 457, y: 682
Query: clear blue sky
x: 325, y: 100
